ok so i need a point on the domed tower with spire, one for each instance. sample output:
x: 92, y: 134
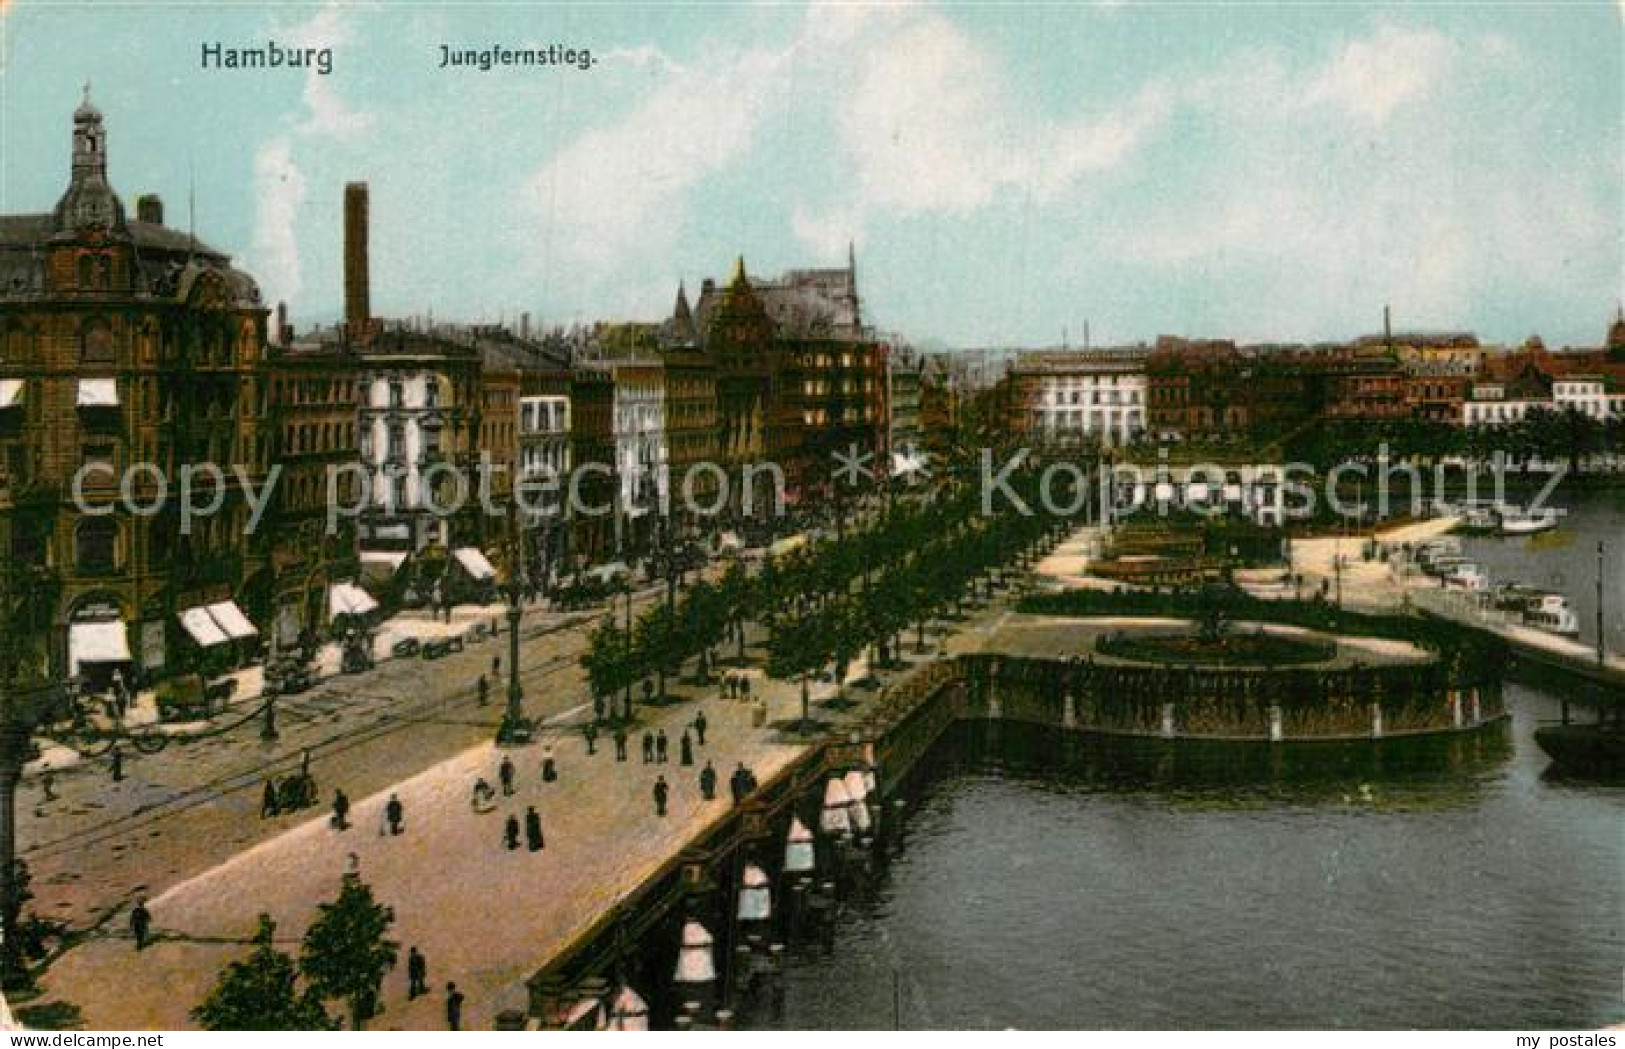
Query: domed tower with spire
x: 89, y: 204
x: 1616, y: 336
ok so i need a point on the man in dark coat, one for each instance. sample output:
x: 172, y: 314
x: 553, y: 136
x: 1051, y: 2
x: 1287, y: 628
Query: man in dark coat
x: 140, y: 924
x: 505, y: 774
x: 341, y: 811
x: 268, y: 802
x: 685, y: 749
x: 708, y: 782
x: 417, y: 974
x: 590, y: 733
x: 118, y: 763
x: 661, y: 792
x: 484, y: 688
x: 620, y: 743
x: 699, y: 728
x: 648, y: 747
x: 533, y: 830
x: 510, y: 833
x: 454, y: 1008
x: 660, y: 746
x: 736, y: 783
x: 394, y: 813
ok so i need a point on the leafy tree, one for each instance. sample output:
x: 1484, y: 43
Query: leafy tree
x: 346, y: 953
x: 258, y: 993
x: 607, y: 661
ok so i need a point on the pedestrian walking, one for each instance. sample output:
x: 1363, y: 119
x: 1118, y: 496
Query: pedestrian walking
x: 533, y: 830
x: 118, y: 763
x: 708, y: 782
x: 496, y: 666
x: 505, y: 776
x: 510, y: 833
x: 454, y: 1008
x: 590, y: 731
x: 699, y: 728
x: 341, y: 811
x: 417, y: 974
x: 661, y: 792
x: 736, y: 783
x: 620, y: 744
x: 140, y: 924
x: 268, y: 803
x: 550, y: 771
x: 648, y: 747
x: 685, y: 749
x: 660, y: 747
x: 597, y: 708
x: 394, y: 813
x: 484, y: 689
x: 47, y: 783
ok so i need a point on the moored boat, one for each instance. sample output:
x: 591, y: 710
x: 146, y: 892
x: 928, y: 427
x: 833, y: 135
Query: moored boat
x: 1585, y: 750
x: 1552, y: 614
x: 1527, y: 522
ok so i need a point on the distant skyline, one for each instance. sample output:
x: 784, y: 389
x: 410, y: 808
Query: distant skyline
x: 1006, y: 171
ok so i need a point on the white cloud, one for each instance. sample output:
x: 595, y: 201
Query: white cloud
x: 279, y: 193
x: 279, y: 181
x: 618, y: 194
x: 1312, y: 218
x: 1373, y: 76
x: 933, y: 124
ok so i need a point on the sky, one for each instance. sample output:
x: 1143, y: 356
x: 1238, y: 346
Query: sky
x: 1007, y: 172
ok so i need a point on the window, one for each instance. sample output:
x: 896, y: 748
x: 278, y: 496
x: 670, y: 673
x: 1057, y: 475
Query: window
x: 96, y: 343
x: 95, y: 540
x: 397, y: 394
x: 99, y: 453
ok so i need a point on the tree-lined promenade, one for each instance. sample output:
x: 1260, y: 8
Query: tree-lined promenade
x: 825, y: 603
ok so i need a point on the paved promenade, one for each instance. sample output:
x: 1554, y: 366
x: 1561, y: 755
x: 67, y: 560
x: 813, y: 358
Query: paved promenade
x: 482, y: 915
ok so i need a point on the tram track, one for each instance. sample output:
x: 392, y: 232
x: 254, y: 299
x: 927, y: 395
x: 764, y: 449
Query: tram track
x: 388, y: 723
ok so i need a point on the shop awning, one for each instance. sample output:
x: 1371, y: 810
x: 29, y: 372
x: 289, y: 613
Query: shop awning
x: 347, y: 599
x: 232, y: 620
x: 474, y: 563
x: 96, y: 643
x: 98, y: 393
x: 383, y: 557
x: 201, y: 625
x: 11, y: 393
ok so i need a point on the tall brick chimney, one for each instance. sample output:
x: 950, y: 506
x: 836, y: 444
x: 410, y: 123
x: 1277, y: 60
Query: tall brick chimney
x: 357, y: 292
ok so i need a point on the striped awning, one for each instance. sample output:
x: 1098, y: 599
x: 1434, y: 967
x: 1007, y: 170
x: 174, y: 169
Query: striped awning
x: 98, y: 393
x: 202, y: 627
x: 347, y: 599
x: 474, y: 563
x: 11, y: 393
x: 232, y: 620
x: 97, y: 643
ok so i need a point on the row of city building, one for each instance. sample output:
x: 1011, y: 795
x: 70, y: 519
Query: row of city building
x: 136, y: 350
x: 1181, y: 389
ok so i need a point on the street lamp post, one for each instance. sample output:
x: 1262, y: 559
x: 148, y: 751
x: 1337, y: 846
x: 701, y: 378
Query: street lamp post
x: 1602, y: 650
x: 515, y: 728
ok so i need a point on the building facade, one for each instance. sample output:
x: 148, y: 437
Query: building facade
x: 1078, y: 398
x: 128, y: 350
